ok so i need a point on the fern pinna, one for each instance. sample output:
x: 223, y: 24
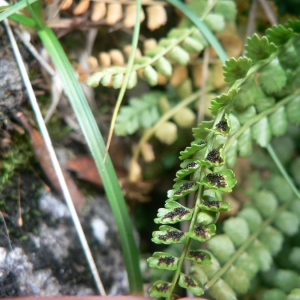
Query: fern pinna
x: 263, y: 99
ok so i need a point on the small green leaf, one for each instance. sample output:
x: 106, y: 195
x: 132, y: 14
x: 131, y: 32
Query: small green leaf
x: 278, y: 121
x: 196, y: 145
x: 259, y: 48
x: 261, y: 132
x: 260, y: 253
x: 231, y: 154
x: 117, y: 80
x: 252, y: 217
x: 223, y: 100
x: 173, y: 213
x: 202, y: 233
x: 287, y: 222
x: 179, y: 55
x: 215, y: 205
x: 272, y: 239
x: 294, y: 294
x: 237, y: 229
x: 222, y: 247
x: 293, y: 111
x: 160, y: 289
x: 280, y: 34
x: 168, y: 235
x: 266, y: 202
x: 245, y: 143
x: 238, y: 279
x: 192, y: 45
x: 163, y: 261
x: 215, y: 22
x: 181, y: 189
x: 150, y: 75
x: 132, y: 80
x: 235, y: 69
x: 223, y: 180
x: 106, y: 79
x: 286, y: 280
x: 140, y: 112
x: 199, y: 256
x: 207, y: 217
x: 201, y: 132
x: 188, y: 166
x: 222, y: 291
x: 272, y: 77
x: 227, y: 9
x: 191, y: 284
x: 164, y: 67
x: 248, y: 263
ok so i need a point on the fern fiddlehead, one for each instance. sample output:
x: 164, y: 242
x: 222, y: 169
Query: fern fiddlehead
x: 260, y: 104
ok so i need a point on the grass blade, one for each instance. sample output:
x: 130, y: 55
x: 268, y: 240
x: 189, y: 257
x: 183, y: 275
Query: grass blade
x: 97, y: 148
x: 14, y: 8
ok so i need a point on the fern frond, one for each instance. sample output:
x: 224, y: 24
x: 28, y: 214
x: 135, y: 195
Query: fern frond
x: 140, y: 113
x: 256, y: 108
x: 175, y: 48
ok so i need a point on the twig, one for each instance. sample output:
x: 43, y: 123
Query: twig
x: 251, y: 21
x: 268, y: 11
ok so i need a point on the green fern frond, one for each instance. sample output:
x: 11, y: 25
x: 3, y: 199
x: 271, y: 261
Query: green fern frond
x: 256, y: 108
x: 175, y: 48
x: 140, y: 113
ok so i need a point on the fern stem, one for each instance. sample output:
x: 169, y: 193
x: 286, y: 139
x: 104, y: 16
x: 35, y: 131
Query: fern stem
x: 282, y: 170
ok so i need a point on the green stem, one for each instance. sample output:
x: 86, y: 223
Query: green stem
x: 282, y: 170
x: 134, y: 44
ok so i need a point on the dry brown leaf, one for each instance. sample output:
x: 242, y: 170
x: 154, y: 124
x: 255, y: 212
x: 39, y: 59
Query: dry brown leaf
x: 98, y: 11
x: 66, y: 4
x: 162, y: 80
x: 117, y: 57
x: 81, y: 7
x: 104, y: 59
x: 197, y: 74
x: 93, y: 62
x: 149, y: 43
x: 179, y: 75
x: 232, y: 44
x: 135, y: 171
x: 218, y: 78
x: 147, y: 152
x: 43, y: 157
x: 114, y: 13
x: 156, y: 16
x: 130, y: 16
x: 127, y: 50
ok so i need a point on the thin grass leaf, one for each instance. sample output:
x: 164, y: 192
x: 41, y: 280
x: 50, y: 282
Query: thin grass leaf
x: 14, y: 8
x: 97, y: 147
x: 127, y: 75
